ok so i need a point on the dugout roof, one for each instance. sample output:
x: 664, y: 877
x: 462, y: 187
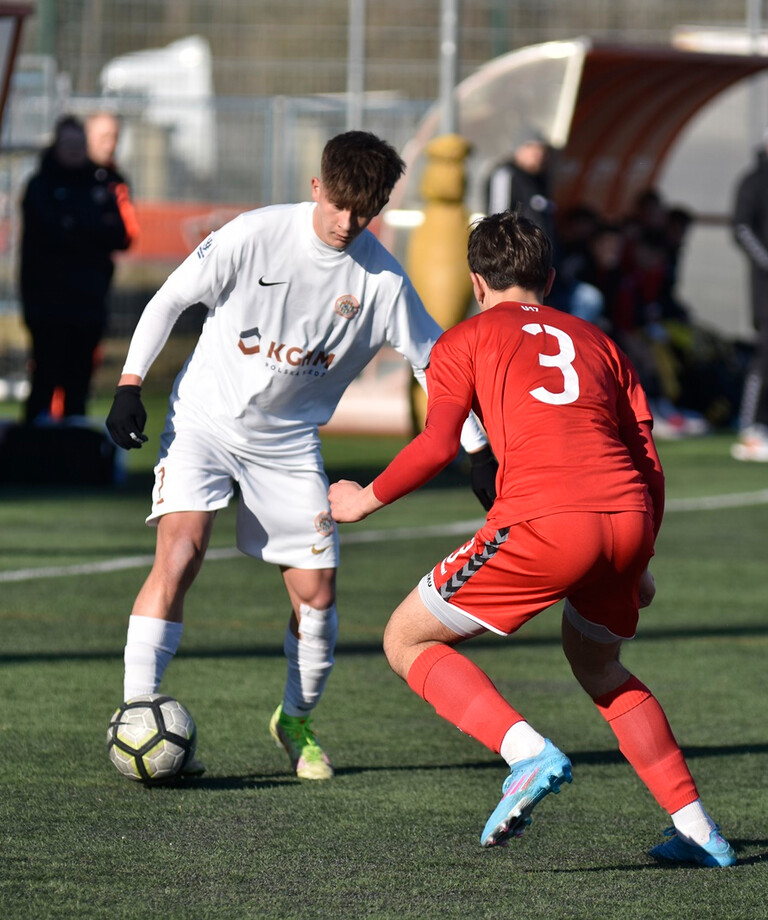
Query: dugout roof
x: 612, y: 113
x: 12, y: 16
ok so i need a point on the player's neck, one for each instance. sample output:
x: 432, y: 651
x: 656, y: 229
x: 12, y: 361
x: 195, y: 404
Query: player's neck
x: 513, y: 294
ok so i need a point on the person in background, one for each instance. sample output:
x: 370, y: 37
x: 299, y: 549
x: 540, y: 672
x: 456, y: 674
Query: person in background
x: 580, y: 500
x: 750, y: 230
x: 522, y: 182
x: 71, y: 227
x: 102, y: 130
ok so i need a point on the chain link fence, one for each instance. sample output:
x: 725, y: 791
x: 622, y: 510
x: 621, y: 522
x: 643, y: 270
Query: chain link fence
x: 227, y: 106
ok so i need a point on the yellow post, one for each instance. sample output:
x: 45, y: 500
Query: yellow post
x: 436, y: 257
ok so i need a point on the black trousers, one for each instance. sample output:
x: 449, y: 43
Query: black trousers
x: 62, y: 356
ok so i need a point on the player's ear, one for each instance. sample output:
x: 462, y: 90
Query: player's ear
x: 550, y: 281
x: 315, y: 188
x: 479, y: 287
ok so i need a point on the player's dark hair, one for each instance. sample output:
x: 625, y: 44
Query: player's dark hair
x: 359, y: 171
x: 509, y: 250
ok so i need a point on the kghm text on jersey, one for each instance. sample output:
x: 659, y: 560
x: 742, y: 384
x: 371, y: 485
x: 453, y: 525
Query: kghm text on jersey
x: 294, y: 355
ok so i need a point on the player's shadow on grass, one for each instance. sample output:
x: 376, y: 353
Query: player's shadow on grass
x: 738, y: 844
x: 578, y: 759
x: 374, y: 648
x: 258, y: 781
x: 246, y: 781
x: 691, y: 752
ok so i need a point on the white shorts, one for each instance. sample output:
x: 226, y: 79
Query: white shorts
x: 283, y: 514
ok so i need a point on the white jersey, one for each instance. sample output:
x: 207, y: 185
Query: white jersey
x: 291, y: 322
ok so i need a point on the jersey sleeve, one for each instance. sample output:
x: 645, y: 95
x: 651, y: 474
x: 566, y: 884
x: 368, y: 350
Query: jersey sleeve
x: 645, y: 457
x: 425, y: 456
x: 450, y: 376
x: 152, y: 331
x: 201, y: 278
x: 411, y: 329
x: 206, y: 272
x: 632, y: 404
x: 635, y: 425
x: 438, y: 443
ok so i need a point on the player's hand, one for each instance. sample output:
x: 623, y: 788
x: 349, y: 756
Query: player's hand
x: 344, y: 497
x: 351, y: 502
x: 647, y: 588
x: 482, y: 475
x: 127, y: 418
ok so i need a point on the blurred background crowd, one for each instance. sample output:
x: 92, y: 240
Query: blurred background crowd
x: 219, y: 114
x: 623, y: 275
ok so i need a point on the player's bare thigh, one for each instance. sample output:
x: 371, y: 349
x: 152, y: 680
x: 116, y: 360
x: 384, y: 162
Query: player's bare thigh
x: 411, y: 629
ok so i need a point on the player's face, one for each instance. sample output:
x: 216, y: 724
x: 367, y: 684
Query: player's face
x: 103, y: 134
x: 335, y: 226
x: 532, y: 157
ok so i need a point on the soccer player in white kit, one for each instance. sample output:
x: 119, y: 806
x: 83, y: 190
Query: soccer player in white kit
x: 300, y: 297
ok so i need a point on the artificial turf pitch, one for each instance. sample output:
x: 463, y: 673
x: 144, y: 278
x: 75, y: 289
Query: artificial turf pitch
x: 396, y: 833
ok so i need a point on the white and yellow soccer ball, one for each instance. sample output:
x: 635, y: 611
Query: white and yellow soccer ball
x: 151, y: 738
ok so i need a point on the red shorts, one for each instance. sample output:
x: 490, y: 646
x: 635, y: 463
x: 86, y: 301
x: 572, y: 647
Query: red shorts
x: 503, y: 577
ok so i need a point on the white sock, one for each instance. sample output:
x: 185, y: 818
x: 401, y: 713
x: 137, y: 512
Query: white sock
x: 521, y: 742
x: 149, y: 648
x: 310, y: 659
x: 692, y: 823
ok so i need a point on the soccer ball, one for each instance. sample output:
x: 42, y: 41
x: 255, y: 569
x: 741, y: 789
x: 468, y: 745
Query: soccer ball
x: 151, y: 738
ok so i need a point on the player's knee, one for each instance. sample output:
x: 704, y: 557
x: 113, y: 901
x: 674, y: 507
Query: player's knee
x: 317, y: 592
x: 319, y: 625
x: 593, y: 663
x: 323, y: 598
x: 597, y: 670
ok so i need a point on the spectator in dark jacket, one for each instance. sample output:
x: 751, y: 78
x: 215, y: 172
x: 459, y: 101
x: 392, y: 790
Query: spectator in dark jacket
x: 522, y: 183
x: 750, y: 228
x: 102, y: 133
x: 71, y: 227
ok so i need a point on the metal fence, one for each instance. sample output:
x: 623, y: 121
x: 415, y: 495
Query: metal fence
x: 191, y: 168
x: 296, y: 47
x: 227, y: 106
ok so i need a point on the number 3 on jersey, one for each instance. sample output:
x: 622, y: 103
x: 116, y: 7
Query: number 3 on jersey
x: 563, y: 361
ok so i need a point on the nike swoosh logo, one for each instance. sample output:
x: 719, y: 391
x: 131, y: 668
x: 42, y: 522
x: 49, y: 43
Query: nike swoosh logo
x: 264, y: 283
x: 317, y: 551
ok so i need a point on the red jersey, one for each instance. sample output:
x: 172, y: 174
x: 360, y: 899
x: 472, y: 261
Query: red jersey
x: 559, y: 401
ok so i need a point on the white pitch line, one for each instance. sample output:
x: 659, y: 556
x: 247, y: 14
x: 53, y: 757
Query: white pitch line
x: 711, y: 502
x: 137, y: 562
x: 707, y: 503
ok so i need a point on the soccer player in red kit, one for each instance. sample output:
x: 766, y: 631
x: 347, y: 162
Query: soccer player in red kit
x: 580, y: 498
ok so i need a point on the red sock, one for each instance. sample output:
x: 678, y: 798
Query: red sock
x: 462, y: 694
x: 646, y: 740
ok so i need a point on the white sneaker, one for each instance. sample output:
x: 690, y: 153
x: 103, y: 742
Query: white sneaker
x: 752, y: 445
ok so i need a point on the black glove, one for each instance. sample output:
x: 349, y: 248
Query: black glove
x: 482, y: 475
x: 127, y: 418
